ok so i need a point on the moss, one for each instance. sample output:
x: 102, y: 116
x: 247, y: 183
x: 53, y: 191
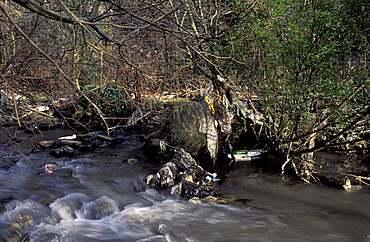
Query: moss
x: 181, y: 128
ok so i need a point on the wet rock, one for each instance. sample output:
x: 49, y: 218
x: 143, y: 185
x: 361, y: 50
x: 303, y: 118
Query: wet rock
x: 86, y: 138
x: 45, y: 144
x: 191, y: 189
x: 72, y: 143
x: 63, y: 151
x: 100, y: 208
x: 106, y: 137
x: 100, y: 143
x: 27, y: 215
x: 46, y: 237
x: 191, y: 127
x: 140, y: 138
x: 5, y: 164
x: 25, y: 218
x: 212, y: 199
x: 43, y: 197
x: 17, y: 139
x: 184, y: 176
x: 166, y: 176
x: 132, y: 161
x: 218, y: 199
x: 86, y: 147
x: 34, y: 150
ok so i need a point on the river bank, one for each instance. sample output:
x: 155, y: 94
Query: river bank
x: 104, y: 200
x: 17, y: 143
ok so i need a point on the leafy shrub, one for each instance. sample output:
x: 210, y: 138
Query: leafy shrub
x: 109, y: 99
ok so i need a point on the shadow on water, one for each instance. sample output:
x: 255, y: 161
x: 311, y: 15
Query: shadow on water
x: 104, y: 200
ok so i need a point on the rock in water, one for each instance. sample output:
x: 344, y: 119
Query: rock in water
x: 63, y: 151
x: 46, y: 144
x: 68, y: 142
x: 191, y: 127
x: 184, y: 176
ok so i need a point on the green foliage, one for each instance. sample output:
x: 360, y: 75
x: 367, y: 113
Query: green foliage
x: 109, y: 99
x: 303, y: 60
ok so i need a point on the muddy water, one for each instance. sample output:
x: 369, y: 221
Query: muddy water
x: 104, y: 200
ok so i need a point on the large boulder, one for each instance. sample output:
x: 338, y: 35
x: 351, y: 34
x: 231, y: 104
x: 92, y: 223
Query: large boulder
x: 195, y: 142
x: 191, y: 126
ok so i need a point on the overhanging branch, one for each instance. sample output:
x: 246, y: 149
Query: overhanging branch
x: 30, y: 5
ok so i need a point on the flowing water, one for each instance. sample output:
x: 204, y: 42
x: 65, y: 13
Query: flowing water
x: 104, y: 200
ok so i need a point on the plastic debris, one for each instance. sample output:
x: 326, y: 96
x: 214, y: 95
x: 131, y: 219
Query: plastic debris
x: 212, y: 177
x: 247, y: 155
x: 61, y: 171
x: 74, y: 136
x: 42, y: 108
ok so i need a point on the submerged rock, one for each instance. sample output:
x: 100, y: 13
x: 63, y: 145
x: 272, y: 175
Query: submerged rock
x: 100, y: 208
x: 25, y: 218
x: 11, y: 232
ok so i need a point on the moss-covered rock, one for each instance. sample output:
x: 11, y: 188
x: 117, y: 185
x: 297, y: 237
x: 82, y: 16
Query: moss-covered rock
x: 190, y: 126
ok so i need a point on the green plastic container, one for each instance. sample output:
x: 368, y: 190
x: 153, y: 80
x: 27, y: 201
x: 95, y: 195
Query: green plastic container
x: 241, y: 152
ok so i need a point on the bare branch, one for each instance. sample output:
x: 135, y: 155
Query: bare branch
x: 101, y: 115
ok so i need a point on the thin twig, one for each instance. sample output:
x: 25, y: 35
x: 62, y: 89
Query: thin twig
x: 100, y: 113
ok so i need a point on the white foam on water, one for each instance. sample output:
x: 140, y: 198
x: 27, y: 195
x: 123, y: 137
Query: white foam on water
x: 98, y: 208
x: 65, y: 208
x: 109, y: 228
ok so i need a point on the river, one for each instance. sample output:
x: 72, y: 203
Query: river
x: 104, y: 200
